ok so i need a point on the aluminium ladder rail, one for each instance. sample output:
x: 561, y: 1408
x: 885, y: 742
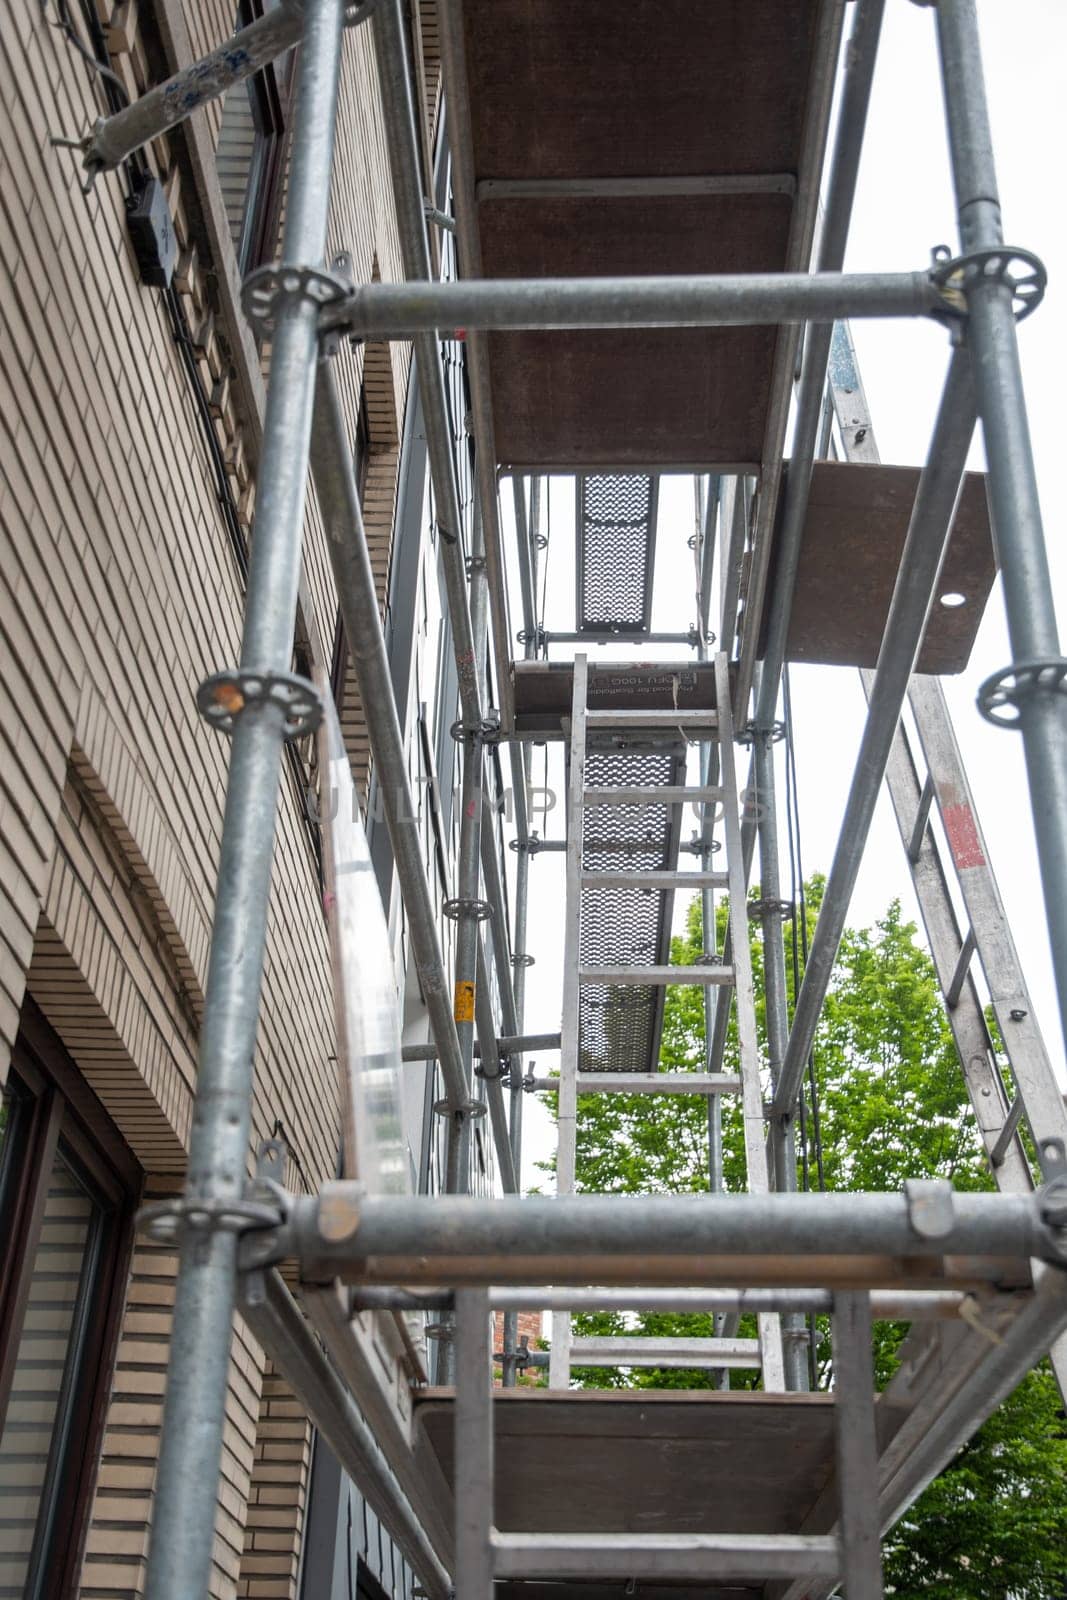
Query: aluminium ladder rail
x: 915, y: 787
x: 576, y: 1070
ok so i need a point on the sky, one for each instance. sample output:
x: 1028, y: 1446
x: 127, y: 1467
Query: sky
x: 904, y: 208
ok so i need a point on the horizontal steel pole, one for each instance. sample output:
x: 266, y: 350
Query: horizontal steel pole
x: 616, y: 636
x: 621, y: 977
x: 641, y: 1351
x: 902, y: 1305
x: 507, y: 1044
x: 343, y: 1225
x: 693, y: 1556
x: 397, y: 310
x: 636, y: 879
x: 277, y: 1322
x: 113, y: 139
x: 648, y: 1083
x: 921, y: 560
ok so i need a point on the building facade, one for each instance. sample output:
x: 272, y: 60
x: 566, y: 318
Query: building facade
x: 131, y: 426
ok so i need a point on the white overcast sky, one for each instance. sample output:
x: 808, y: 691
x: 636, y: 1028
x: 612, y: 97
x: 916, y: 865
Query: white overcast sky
x: 904, y: 208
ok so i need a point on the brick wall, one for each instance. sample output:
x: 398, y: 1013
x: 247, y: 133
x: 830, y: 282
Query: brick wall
x: 531, y: 1327
x: 119, y: 592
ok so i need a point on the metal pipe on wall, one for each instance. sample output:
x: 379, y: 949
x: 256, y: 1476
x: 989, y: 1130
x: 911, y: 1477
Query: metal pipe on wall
x: 183, y: 1524
x: 920, y: 565
x: 346, y: 541
x: 402, y: 146
x: 461, y: 150
x: 1040, y: 703
x: 114, y: 139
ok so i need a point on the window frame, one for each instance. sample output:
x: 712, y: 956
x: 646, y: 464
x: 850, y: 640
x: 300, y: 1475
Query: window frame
x: 269, y: 94
x: 59, y: 1114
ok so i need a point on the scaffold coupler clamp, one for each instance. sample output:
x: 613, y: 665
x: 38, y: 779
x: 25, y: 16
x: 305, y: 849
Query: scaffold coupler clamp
x: 750, y: 731
x: 486, y: 731
x: 1003, y: 697
x: 955, y: 277
x: 265, y: 292
x: 760, y: 910
x: 468, y: 1111
x: 224, y: 697
x: 257, y: 1216
x: 502, y: 1074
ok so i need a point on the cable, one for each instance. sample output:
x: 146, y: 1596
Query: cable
x: 93, y: 57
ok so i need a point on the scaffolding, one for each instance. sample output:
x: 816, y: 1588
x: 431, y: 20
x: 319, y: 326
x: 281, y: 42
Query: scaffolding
x: 980, y: 1276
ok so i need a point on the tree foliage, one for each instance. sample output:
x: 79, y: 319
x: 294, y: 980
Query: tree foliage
x: 891, y: 1105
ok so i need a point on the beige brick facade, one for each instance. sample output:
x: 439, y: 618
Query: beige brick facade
x: 119, y: 593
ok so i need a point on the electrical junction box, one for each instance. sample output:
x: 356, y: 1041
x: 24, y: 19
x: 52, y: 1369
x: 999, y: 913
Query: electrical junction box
x: 152, y: 232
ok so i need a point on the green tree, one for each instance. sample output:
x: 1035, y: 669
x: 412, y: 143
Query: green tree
x: 891, y: 1105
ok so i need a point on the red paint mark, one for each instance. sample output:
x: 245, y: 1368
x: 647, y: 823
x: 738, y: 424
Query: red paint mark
x: 962, y: 831
x: 460, y: 334
x: 470, y: 808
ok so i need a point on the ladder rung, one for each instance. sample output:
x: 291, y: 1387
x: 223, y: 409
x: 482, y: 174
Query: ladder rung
x: 639, y: 1351
x: 646, y: 718
x: 658, y: 1083
x: 704, y: 1083
x: 654, y: 880
x: 653, y: 975
x: 692, y: 1556
x: 664, y: 794
x: 1007, y: 1132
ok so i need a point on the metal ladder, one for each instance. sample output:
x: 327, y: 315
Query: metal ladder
x: 918, y: 781
x: 483, y: 1553
x: 705, y: 725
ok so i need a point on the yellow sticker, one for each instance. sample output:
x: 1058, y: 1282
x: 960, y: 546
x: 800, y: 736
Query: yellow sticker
x: 463, y: 1007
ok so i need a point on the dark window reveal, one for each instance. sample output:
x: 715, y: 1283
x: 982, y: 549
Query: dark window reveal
x: 68, y: 1187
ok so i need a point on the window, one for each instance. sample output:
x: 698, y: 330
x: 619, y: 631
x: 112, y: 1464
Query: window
x: 249, y: 153
x: 67, y: 1192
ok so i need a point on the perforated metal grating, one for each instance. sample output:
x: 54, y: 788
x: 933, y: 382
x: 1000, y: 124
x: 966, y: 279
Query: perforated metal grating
x: 616, y: 553
x: 618, y: 1028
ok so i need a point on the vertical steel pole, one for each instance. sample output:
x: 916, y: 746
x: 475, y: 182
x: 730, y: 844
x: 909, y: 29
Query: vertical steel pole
x: 526, y: 536
x: 1013, y: 493
x: 473, y: 1446
x: 183, y: 1520
x: 782, y: 1138
x: 567, y: 1121
x: 857, y: 1447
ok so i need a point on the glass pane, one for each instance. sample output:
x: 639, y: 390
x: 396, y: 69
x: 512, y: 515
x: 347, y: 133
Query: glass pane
x: 40, y: 1391
x: 7, y: 1118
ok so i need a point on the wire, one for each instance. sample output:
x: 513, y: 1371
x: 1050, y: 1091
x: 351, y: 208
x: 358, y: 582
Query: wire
x: 66, y: 27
